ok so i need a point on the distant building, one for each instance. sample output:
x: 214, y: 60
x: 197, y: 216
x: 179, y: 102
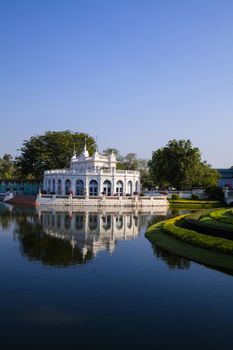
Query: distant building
x: 226, y: 178
x: 92, y: 176
x: 20, y: 186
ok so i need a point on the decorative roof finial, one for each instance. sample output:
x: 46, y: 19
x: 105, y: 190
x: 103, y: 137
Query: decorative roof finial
x: 85, y: 151
x: 85, y: 144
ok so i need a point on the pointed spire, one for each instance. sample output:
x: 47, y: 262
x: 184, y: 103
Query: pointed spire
x: 85, y: 144
x: 85, y: 151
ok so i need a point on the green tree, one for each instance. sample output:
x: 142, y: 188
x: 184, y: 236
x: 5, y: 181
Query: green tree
x: 52, y: 150
x: 7, y: 167
x: 109, y: 151
x: 208, y: 176
x: 179, y: 165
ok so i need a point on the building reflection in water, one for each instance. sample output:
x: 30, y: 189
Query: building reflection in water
x: 90, y: 231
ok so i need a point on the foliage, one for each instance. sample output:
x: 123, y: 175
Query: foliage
x: 203, y: 222
x: 194, y: 196
x: 179, y: 165
x: 108, y: 151
x: 131, y: 162
x: 7, y: 167
x: 175, y: 196
x: 52, y: 150
x: 223, y: 215
x: 215, y: 192
x: 195, y: 238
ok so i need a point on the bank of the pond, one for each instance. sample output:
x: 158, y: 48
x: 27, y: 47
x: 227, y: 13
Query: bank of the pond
x: 178, y: 236
x: 159, y: 238
x: 23, y: 200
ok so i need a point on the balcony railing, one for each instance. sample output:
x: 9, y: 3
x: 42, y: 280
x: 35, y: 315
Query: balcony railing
x: 90, y: 172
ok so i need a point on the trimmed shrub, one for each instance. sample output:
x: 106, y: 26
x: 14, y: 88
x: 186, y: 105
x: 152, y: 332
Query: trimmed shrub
x: 198, y: 239
x: 215, y: 192
x: 194, y: 196
x: 175, y: 196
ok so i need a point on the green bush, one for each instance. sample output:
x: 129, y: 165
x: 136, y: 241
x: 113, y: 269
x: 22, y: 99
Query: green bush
x: 223, y: 215
x: 198, y: 239
x: 175, y: 196
x: 215, y: 192
x: 194, y: 196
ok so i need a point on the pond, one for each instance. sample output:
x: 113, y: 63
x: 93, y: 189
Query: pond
x: 91, y: 280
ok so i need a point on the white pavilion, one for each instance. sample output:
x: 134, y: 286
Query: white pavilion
x: 91, y: 176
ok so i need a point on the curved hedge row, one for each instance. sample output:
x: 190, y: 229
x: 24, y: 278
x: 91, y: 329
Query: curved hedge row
x: 223, y: 215
x: 164, y: 241
x: 202, y: 222
x: 195, y: 238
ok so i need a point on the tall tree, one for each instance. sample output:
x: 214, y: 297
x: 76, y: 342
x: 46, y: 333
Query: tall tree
x: 7, y: 167
x: 179, y: 165
x: 52, y: 150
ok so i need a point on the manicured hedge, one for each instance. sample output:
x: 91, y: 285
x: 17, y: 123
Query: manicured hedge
x: 160, y: 239
x: 190, y: 201
x: 201, y: 222
x: 195, y: 238
x: 223, y: 215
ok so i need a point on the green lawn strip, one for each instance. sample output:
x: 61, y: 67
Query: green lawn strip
x: 194, y: 204
x: 195, y: 238
x: 190, y: 201
x: 159, y: 238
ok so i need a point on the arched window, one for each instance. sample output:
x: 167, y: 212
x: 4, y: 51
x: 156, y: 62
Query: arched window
x: 79, y: 188
x: 49, y: 185
x: 129, y: 221
x: 93, y: 221
x: 58, y: 220
x: 93, y: 188
x: 67, y: 221
x: 107, y: 222
x: 119, y: 222
x: 59, y: 187
x: 119, y: 188
x: 130, y: 188
x: 79, y: 221
x: 53, y: 186
x: 107, y: 187
x: 68, y: 186
x: 136, y: 186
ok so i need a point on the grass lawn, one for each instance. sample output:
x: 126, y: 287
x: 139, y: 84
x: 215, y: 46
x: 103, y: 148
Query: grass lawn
x: 201, y: 236
x: 194, y: 204
x: 218, y: 260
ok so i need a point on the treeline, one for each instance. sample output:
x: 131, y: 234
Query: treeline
x: 177, y: 165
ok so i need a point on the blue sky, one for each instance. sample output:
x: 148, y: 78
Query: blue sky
x: 137, y: 73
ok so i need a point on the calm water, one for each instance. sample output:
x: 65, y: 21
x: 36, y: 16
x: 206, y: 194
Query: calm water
x: 92, y: 281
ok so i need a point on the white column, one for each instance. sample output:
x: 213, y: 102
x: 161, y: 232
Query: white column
x: 86, y: 185
x: 100, y: 186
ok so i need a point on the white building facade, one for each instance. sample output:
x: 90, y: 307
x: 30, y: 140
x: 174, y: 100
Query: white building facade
x: 92, y: 177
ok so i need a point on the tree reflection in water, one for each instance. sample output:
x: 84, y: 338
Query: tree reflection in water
x: 172, y: 261
x: 37, y: 245
x: 62, y: 238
